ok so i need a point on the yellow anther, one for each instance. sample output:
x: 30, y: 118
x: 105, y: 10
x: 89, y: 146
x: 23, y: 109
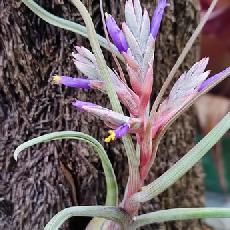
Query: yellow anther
x: 56, y: 79
x: 111, y: 137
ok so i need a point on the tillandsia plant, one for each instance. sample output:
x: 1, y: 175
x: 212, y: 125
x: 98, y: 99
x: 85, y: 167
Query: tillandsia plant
x: 133, y: 44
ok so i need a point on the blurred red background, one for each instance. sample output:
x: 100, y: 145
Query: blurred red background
x: 215, y: 42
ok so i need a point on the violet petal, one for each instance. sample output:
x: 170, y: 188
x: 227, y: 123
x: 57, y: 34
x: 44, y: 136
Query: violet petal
x: 116, y: 34
x: 157, y: 17
x: 72, y: 82
x: 212, y: 79
x: 122, y: 130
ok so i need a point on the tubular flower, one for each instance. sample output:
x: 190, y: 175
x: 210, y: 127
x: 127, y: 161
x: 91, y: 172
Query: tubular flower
x: 77, y: 82
x: 157, y: 17
x: 112, y: 119
x: 116, y: 34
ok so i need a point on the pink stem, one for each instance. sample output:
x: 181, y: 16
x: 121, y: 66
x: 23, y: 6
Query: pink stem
x: 134, y: 185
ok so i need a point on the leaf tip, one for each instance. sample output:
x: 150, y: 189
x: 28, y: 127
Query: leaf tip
x: 16, y: 153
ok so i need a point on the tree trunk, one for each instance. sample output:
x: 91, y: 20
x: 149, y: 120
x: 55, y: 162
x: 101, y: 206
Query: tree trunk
x: 55, y: 175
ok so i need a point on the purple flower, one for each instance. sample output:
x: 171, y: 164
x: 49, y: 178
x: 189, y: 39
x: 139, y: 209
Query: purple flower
x: 121, y: 130
x: 157, y: 17
x: 116, y: 34
x: 213, y: 79
x: 78, y: 82
x: 72, y: 82
x: 117, y: 133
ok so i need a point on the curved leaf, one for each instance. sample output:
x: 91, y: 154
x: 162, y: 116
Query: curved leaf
x: 180, y: 214
x: 107, y: 212
x: 68, y: 25
x: 111, y: 184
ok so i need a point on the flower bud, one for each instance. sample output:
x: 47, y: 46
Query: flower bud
x: 116, y: 34
x: 157, y: 17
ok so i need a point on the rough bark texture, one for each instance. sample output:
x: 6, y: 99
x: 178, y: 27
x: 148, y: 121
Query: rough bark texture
x: 55, y: 175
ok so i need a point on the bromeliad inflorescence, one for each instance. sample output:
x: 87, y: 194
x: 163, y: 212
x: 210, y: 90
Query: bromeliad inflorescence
x: 135, y: 40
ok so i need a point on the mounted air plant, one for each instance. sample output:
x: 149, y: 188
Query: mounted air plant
x: 133, y: 44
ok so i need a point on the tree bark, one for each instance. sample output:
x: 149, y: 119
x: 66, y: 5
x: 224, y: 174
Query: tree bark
x: 55, y: 175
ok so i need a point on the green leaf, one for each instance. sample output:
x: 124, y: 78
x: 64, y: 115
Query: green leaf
x: 184, y: 164
x: 180, y: 214
x: 111, y: 183
x: 68, y: 25
x: 107, y: 212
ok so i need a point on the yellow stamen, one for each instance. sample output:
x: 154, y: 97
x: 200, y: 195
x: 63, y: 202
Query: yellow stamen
x: 111, y: 137
x: 56, y: 79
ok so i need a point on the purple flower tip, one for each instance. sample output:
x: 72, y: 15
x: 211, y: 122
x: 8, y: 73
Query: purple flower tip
x: 213, y: 79
x: 116, y: 34
x: 157, y: 17
x: 122, y: 130
x: 72, y: 82
x: 79, y: 104
x: 117, y: 133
